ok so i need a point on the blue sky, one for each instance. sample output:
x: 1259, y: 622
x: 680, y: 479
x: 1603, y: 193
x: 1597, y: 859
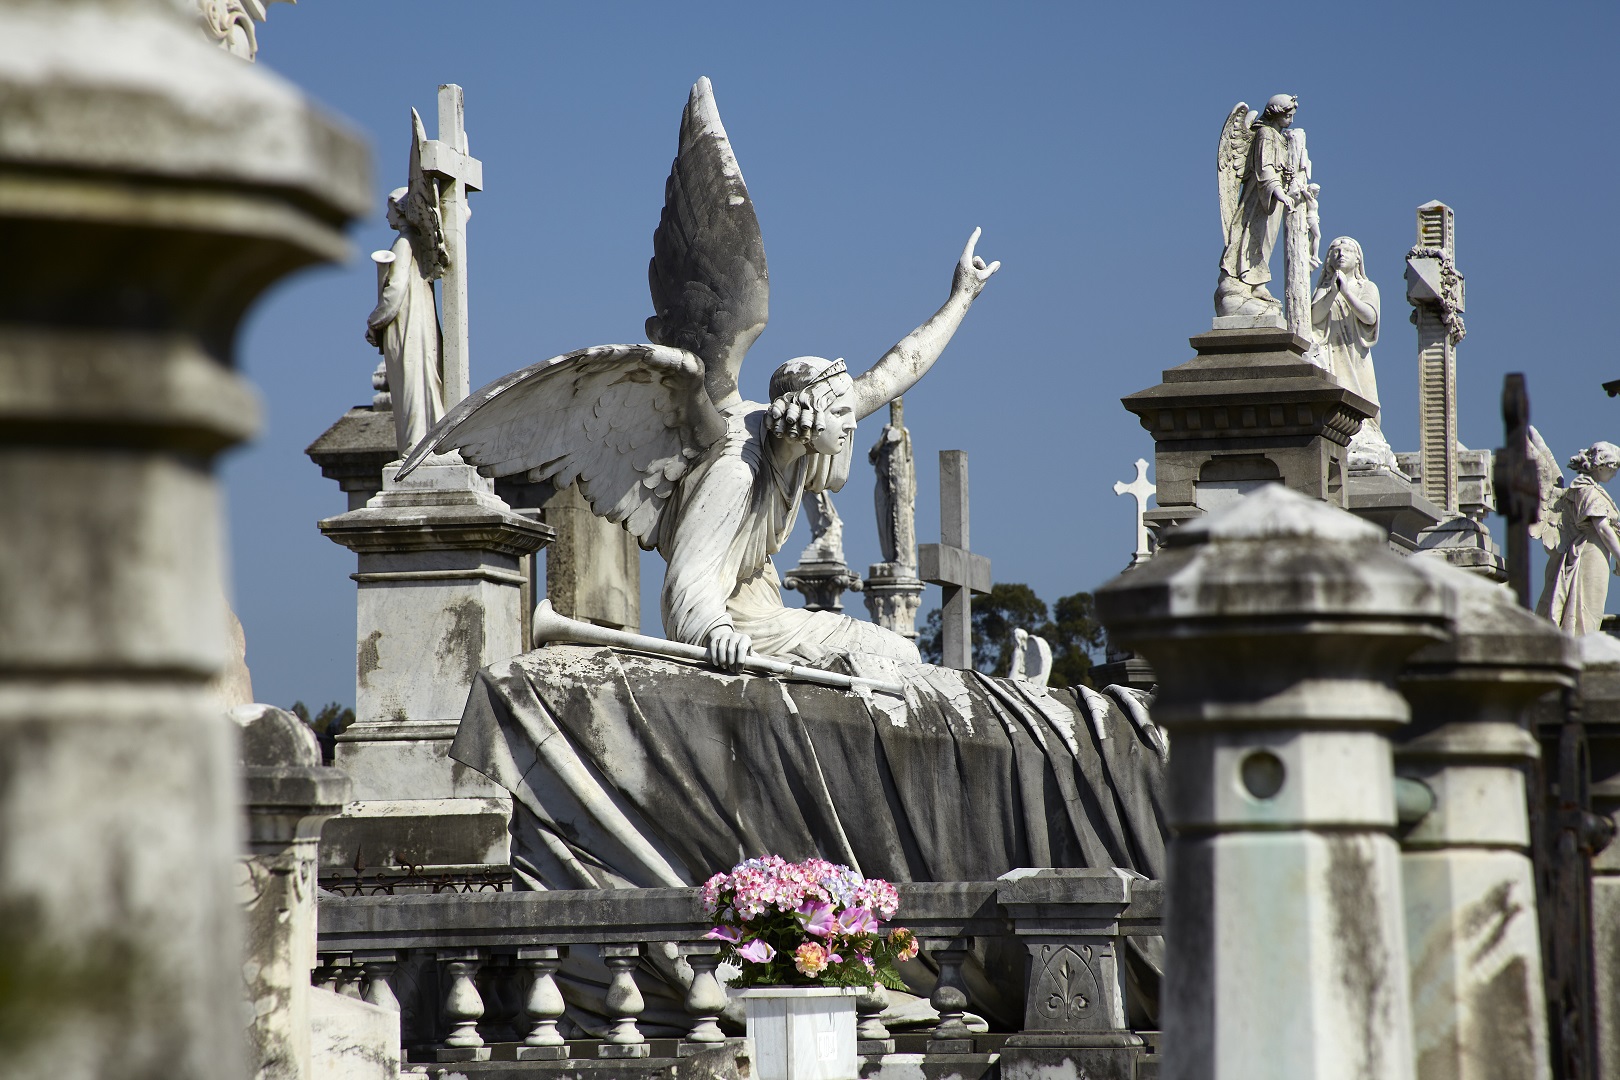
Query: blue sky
x: 874, y: 137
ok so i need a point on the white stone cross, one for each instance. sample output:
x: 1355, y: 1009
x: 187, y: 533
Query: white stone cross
x: 1140, y: 489
x: 951, y: 565
x: 447, y: 159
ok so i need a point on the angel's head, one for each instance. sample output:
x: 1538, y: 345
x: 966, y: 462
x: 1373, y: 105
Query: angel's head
x: 1601, y: 460
x: 1279, y: 111
x: 396, y: 208
x: 813, y: 402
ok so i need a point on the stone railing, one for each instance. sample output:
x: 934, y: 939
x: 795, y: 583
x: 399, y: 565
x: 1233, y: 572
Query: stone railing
x: 475, y: 976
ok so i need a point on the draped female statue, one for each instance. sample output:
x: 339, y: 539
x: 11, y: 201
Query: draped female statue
x: 1344, y: 315
x: 1578, y: 530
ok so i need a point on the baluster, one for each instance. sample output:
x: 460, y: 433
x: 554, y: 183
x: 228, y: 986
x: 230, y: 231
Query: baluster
x: 378, y: 969
x: 951, y: 1035
x: 871, y: 1035
x: 704, y: 1000
x: 345, y: 977
x: 624, y: 1003
x: 462, y: 1007
x: 544, y: 1004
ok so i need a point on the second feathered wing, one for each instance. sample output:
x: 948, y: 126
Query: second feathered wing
x: 1231, y: 158
x: 624, y: 422
x: 1551, y: 482
x: 710, y: 288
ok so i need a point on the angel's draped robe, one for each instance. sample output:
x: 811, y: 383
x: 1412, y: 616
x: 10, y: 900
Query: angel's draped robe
x: 1577, y: 583
x: 1252, y: 233
x: 407, y: 320
x: 731, y: 514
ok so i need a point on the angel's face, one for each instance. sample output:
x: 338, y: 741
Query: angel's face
x: 839, y: 421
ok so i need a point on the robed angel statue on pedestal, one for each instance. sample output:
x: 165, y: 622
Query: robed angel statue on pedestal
x: 1264, y: 175
x: 659, y: 440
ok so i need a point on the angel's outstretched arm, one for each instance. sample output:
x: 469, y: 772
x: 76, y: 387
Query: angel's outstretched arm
x: 901, y: 367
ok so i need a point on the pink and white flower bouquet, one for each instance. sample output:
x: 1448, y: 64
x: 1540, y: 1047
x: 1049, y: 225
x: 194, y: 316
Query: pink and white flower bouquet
x: 811, y: 923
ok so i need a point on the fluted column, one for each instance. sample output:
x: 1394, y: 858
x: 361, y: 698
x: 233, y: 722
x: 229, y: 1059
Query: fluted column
x: 151, y: 187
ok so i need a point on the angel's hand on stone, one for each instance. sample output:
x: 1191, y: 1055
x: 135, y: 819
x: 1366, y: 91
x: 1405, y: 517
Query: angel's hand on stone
x: 728, y: 649
x: 972, y: 271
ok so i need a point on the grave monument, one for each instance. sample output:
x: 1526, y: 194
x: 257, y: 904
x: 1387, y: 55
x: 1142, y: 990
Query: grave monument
x: 441, y: 583
x: 893, y: 590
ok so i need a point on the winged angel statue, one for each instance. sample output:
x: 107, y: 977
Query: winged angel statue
x: 1262, y: 174
x: 1577, y: 528
x: 659, y: 440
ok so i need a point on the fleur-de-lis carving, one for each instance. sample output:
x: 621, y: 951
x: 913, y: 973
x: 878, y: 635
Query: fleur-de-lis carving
x: 1068, y: 985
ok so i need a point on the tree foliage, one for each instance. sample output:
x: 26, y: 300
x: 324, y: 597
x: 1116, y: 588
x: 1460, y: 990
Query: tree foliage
x: 1071, y: 628
x: 327, y: 724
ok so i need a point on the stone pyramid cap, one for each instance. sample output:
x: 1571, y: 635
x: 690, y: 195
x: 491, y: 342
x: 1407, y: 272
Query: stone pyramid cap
x: 1492, y: 630
x: 1275, y: 512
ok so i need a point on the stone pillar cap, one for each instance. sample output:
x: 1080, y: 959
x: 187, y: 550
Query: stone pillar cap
x: 1274, y: 555
x: 1493, y: 631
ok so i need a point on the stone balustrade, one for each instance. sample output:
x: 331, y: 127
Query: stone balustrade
x: 476, y: 976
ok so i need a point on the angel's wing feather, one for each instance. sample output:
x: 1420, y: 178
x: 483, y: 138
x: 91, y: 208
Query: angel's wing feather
x: 1551, y: 479
x: 1230, y: 158
x: 421, y: 208
x: 710, y: 289
x: 624, y: 422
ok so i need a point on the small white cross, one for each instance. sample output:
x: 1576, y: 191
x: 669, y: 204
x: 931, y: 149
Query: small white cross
x: 1140, y: 489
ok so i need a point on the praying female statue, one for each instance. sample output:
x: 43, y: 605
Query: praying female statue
x: 1344, y: 316
x: 1578, y: 567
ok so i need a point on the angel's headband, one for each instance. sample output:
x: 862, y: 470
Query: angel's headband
x: 833, y: 370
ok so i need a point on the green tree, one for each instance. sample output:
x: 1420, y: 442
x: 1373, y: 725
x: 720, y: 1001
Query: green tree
x: 327, y: 724
x: 1072, y: 630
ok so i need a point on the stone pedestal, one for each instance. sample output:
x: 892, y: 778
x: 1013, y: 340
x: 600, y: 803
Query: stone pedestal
x: 1277, y: 627
x: 440, y: 596
x: 1467, y: 545
x: 1073, y: 923
x: 893, y: 593
x: 354, y: 450
x: 1248, y: 410
x: 289, y: 796
x: 154, y: 186
x: 1473, y: 935
x: 822, y: 582
x: 1393, y: 503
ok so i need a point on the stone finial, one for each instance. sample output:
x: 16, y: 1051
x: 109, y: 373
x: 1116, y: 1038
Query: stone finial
x: 1277, y: 627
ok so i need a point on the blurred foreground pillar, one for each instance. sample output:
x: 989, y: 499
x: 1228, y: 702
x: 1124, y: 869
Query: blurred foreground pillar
x: 1479, y: 1006
x: 151, y: 186
x: 1277, y: 626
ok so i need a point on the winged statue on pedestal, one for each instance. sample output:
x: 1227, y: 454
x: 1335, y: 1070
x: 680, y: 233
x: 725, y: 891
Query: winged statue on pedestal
x: 659, y: 439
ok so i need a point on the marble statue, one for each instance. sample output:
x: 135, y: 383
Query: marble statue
x: 895, y: 490
x: 1577, y: 528
x: 826, y: 530
x: 404, y: 325
x: 1031, y: 658
x: 1263, y: 172
x: 821, y: 574
x: 659, y: 439
x: 1344, y: 320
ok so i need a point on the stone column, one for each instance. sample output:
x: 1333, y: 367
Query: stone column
x: 289, y: 796
x: 151, y: 187
x: 1073, y: 924
x: 1277, y: 627
x: 1599, y: 706
x: 1479, y: 1005
x: 440, y: 593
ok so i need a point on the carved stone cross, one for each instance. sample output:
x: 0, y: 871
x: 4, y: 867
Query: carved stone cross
x: 1141, y: 489
x: 447, y: 159
x: 1436, y: 292
x: 951, y: 564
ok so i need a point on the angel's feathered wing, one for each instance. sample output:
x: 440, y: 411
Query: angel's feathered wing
x: 1231, y: 157
x: 625, y: 422
x: 1551, y: 479
x: 421, y: 208
x: 710, y: 289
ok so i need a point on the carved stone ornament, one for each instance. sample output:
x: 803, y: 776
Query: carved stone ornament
x: 230, y: 23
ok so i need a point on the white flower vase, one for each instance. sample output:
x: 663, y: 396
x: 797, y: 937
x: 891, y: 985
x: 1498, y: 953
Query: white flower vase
x: 803, y: 1032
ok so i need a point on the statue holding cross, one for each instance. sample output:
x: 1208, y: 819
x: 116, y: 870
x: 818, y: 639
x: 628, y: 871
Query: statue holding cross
x: 427, y: 364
